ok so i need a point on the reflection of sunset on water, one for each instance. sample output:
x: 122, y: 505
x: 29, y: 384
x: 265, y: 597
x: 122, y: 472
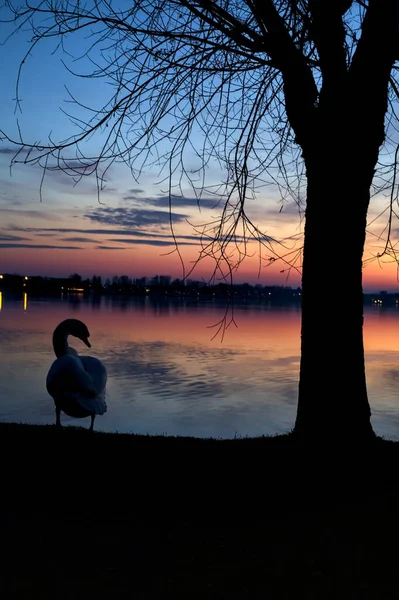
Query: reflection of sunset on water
x: 177, y: 322
x: 167, y: 371
x: 381, y: 329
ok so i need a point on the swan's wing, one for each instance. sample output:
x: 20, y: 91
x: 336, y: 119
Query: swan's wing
x: 68, y: 376
x: 97, y: 371
x: 93, y: 404
x: 98, y: 374
x: 80, y: 379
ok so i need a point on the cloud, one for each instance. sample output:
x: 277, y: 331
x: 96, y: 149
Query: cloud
x: 126, y: 232
x: 8, y: 200
x: 79, y: 239
x: 136, y: 191
x: 41, y: 214
x: 110, y: 248
x: 133, y: 217
x: 79, y: 166
x: 82, y: 173
x: 40, y: 246
x: 163, y: 202
x: 290, y: 209
x: 177, y: 201
x: 122, y: 232
x: 289, y: 214
x: 151, y: 242
x: 4, y: 237
x: 7, y: 150
x: 44, y: 234
x: 71, y: 179
x: 149, y: 236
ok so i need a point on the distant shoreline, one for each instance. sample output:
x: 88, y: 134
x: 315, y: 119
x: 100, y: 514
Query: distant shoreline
x: 265, y: 295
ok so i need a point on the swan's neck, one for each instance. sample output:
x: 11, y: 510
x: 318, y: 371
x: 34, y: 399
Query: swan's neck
x: 60, y: 342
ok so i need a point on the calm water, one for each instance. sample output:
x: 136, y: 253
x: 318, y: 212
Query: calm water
x: 167, y: 375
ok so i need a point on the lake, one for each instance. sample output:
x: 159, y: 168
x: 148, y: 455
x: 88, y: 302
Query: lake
x: 168, y: 374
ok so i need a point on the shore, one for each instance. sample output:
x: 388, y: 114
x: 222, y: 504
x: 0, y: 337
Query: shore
x: 101, y: 515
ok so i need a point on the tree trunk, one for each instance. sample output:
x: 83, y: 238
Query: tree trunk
x: 333, y: 404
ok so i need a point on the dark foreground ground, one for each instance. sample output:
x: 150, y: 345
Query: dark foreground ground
x: 104, y: 516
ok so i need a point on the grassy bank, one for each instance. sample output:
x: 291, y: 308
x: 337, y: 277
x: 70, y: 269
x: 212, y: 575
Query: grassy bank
x: 112, y: 514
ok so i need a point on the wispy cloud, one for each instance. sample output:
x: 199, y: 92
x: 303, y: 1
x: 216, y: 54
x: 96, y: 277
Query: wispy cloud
x: 151, y: 242
x: 287, y: 214
x: 35, y: 214
x: 110, y: 248
x: 9, y: 151
x: 4, y: 237
x: 136, y: 191
x: 79, y: 239
x: 147, y: 236
x: 133, y: 217
x: 41, y: 234
x: 163, y: 202
x: 40, y: 246
x: 45, y: 231
x: 176, y: 202
x: 9, y: 201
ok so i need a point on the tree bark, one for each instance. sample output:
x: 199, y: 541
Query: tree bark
x: 340, y: 149
x: 333, y: 403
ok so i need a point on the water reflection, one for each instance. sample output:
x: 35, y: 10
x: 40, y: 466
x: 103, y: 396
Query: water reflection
x: 157, y: 306
x: 166, y: 375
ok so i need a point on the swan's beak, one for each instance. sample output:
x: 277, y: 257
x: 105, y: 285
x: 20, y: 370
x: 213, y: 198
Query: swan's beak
x: 86, y: 341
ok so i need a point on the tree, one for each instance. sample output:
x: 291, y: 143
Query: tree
x: 298, y: 91
x: 76, y: 278
x: 96, y: 284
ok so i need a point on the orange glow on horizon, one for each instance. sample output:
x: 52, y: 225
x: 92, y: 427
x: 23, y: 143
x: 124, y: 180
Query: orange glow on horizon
x: 143, y: 260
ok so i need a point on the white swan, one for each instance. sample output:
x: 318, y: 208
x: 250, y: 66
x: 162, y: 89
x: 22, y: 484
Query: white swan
x: 76, y: 383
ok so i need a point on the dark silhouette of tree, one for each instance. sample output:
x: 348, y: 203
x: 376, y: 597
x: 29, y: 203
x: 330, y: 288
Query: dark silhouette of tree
x: 96, y: 284
x: 294, y: 92
x: 75, y: 278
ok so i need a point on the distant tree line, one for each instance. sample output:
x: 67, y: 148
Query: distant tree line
x: 160, y: 284
x: 164, y: 285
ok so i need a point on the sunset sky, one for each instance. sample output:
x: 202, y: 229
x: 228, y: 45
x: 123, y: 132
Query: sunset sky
x: 128, y: 233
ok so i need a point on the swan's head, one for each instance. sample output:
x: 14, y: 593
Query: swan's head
x: 73, y: 327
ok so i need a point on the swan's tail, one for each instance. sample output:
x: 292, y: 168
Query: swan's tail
x: 93, y: 404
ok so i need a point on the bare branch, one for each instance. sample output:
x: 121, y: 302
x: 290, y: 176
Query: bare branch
x: 328, y: 32
x: 374, y: 57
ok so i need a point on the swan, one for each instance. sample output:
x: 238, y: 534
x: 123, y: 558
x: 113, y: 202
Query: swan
x: 76, y: 383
